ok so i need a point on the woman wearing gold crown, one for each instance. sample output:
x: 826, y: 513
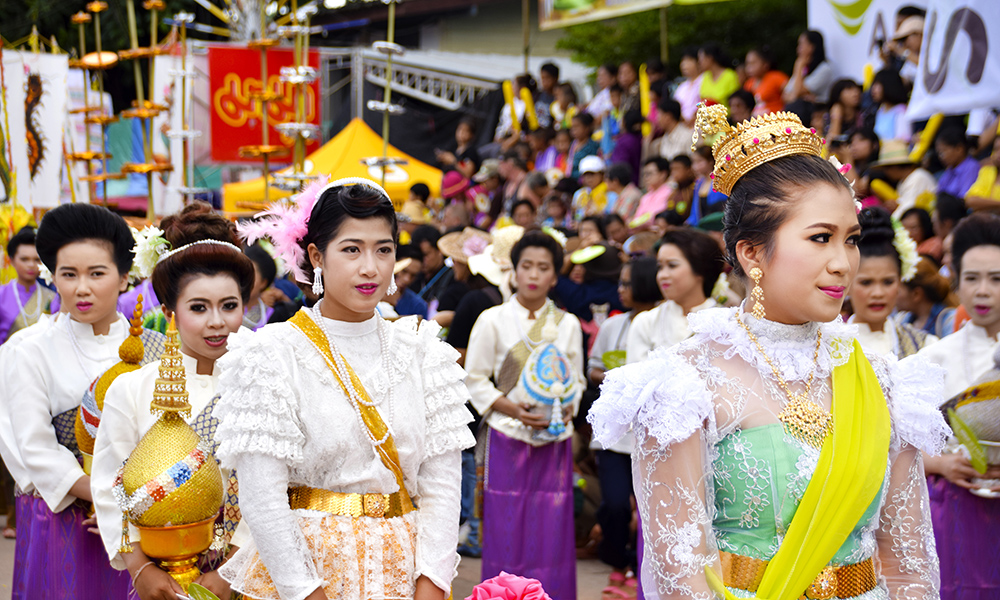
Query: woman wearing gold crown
x: 346, y: 430
x: 89, y: 251
x: 774, y: 459
x: 203, y: 283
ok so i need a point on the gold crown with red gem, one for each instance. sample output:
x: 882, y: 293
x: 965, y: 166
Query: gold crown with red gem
x: 752, y: 143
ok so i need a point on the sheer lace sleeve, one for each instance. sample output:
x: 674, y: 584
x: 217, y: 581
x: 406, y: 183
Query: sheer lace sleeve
x: 256, y: 410
x: 671, y: 487
x: 907, y: 556
x: 667, y: 403
x: 445, y: 395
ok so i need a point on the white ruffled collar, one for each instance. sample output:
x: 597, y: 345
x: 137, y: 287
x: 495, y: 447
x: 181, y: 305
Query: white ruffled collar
x: 790, y: 347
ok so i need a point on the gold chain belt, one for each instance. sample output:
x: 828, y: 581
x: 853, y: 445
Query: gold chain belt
x: 348, y: 505
x: 848, y: 581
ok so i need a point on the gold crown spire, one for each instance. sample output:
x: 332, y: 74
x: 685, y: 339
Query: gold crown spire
x: 170, y: 392
x: 752, y: 143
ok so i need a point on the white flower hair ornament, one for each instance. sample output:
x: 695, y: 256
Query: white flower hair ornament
x: 907, y: 250
x: 150, y: 246
x: 44, y: 273
x: 844, y: 170
x: 556, y: 235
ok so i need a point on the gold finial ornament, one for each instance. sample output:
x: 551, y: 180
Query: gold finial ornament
x: 169, y: 391
x: 88, y: 418
x: 757, y: 294
x: 170, y: 487
x: 752, y: 143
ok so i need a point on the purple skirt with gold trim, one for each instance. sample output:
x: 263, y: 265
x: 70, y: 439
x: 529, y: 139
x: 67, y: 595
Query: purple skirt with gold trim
x: 57, y: 558
x: 528, y: 514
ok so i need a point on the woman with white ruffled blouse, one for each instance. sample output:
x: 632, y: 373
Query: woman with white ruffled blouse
x: 773, y: 458
x: 346, y: 430
x: 203, y: 282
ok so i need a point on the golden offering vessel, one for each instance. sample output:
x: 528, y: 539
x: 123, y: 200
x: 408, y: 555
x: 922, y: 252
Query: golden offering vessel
x: 170, y: 487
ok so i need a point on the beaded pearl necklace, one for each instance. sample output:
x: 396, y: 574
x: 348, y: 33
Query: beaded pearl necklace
x: 28, y: 319
x: 340, y: 366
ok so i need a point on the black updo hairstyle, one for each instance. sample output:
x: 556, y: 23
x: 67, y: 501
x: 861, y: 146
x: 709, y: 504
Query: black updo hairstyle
x: 644, y: 287
x: 978, y: 229
x: 537, y: 239
x: 71, y: 223
x: 24, y: 237
x: 700, y: 250
x: 877, y: 235
x: 337, y: 204
x: 759, y: 202
x: 198, y: 222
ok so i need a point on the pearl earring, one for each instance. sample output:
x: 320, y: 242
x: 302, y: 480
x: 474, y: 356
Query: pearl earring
x: 317, y: 284
x: 392, y: 286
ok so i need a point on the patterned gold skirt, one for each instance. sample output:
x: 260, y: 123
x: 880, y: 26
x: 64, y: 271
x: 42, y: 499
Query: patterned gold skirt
x: 359, y: 558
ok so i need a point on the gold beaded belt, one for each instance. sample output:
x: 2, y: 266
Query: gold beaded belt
x: 348, y: 505
x: 848, y: 581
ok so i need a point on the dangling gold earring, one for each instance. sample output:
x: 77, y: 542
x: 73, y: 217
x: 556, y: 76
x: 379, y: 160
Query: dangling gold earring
x: 757, y: 294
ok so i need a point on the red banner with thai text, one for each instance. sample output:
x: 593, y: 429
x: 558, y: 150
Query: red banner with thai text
x: 234, y: 80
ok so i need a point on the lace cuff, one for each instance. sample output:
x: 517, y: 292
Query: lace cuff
x: 445, y: 395
x: 663, y: 394
x: 917, y: 388
x: 256, y: 410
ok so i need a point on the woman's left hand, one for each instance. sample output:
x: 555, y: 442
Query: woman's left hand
x: 214, y: 583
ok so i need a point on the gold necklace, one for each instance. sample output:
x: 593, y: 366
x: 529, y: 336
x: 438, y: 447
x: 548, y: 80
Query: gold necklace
x: 805, y: 421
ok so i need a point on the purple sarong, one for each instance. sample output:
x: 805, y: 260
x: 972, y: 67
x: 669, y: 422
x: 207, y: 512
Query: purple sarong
x: 966, y: 530
x: 57, y: 558
x: 528, y: 514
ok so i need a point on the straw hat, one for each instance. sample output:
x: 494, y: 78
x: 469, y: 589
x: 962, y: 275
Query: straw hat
x: 401, y: 264
x: 461, y: 245
x: 493, y: 261
x: 893, y: 152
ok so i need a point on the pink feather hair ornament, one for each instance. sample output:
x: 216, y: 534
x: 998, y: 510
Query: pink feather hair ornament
x: 286, y: 224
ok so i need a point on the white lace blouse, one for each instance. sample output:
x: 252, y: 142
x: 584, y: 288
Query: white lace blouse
x: 696, y: 407
x: 660, y: 327
x: 284, y: 420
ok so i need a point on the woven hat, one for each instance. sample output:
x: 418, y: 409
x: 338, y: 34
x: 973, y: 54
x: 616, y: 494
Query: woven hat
x: 493, y: 261
x: 454, y: 183
x: 893, y: 152
x: 461, y: 245
x: 401, y: 264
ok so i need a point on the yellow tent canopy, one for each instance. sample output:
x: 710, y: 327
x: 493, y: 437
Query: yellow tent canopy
x: 341, y: 157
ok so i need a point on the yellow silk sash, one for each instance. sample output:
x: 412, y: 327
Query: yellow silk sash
x: 377, y: 428
x: 848, y: 476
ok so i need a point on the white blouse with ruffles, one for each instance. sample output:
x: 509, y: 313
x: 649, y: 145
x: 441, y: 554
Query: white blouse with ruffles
x: 284, y: 420
x: 50, y: 373
x: 686, y: 404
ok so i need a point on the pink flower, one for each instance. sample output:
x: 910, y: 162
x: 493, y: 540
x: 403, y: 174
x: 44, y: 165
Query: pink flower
x: 509, y: 587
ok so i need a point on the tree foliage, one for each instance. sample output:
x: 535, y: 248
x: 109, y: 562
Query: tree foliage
x: 736, y: 25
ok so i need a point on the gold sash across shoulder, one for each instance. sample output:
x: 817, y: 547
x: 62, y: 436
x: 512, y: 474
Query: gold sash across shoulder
x: 398, y: 503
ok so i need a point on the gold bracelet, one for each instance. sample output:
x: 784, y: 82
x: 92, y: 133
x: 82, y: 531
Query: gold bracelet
x: 140, y: 570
